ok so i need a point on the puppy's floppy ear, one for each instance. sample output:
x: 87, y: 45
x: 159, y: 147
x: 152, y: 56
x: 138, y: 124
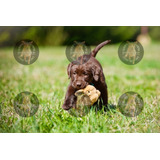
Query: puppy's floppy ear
x: 96, y: 72
x: 69, y: 70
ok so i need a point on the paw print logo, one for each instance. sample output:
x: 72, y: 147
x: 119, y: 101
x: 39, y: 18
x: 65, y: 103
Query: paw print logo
x: 78, y: 52
x: 26, y: 52
x: 83, y: 105
x: 130, y: 104
x: 86, y: 98
x: 131, y: 52
x: 26, y: 104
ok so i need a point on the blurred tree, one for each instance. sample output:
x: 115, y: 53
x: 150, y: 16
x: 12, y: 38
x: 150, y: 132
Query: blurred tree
x: 59, y: 35
x: 55, y: 36
x: 10, y: 35
x: 96, y: 34
x: 154, y: 33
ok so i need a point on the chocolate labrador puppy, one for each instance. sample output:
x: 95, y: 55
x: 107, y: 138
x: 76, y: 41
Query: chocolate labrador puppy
x: 83, y: 74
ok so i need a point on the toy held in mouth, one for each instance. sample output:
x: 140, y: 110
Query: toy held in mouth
x: 87, y: 96
x: 85, y: 99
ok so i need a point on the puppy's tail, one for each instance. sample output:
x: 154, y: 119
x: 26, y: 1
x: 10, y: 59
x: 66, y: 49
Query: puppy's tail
x: 95, y: 51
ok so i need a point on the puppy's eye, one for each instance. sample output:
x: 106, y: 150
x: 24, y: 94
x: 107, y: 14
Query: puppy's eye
x: 85, y: 73
x: 74, y: 73
x: 88, y: 91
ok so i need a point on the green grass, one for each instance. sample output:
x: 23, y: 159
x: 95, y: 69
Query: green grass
x: 47, y: 78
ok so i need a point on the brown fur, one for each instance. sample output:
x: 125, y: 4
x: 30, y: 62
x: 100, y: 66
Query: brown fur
x: 82, y: 75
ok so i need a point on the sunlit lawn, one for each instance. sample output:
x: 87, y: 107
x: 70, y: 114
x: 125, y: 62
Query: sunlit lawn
x: 47, y: 78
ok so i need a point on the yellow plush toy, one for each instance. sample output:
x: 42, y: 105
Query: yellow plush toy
x: 87, y: 96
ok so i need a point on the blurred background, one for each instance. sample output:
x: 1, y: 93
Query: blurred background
x: 59, y: 35
x: 48, y: 80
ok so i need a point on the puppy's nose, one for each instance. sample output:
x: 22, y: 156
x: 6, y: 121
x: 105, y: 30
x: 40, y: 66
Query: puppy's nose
x: 78, y: 84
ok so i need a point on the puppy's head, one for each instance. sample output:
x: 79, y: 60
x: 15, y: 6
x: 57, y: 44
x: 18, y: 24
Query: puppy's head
x: 82, y: 75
